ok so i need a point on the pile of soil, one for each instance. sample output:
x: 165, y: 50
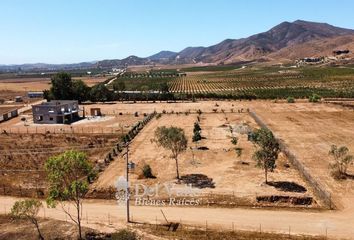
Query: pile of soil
x: 288, y: 186
x: 198, y: 180
x: 285, y: 199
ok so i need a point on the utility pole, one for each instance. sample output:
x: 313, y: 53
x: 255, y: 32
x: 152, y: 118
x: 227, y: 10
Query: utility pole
x: 127, y: 193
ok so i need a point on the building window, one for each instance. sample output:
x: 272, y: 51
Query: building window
x: 51, y: 119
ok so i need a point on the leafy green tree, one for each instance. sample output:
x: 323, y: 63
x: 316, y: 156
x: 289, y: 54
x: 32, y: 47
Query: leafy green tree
x: 80, y: 91
x: 196, y: 132
x: 163, y: 87
x: 267, y: 152
x: 173, y: 139
x: 145, y: 91
x: 100, y: 93
x: 69, y: 175
x: 62, y: 86
x: 119, y: 85
x: 341, y: 161
x: 28, y: 209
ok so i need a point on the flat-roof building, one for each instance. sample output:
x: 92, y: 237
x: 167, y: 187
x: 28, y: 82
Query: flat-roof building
x: 56, y: 112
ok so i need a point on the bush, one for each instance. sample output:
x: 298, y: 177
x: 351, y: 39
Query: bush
x: 136, y: 114
x: 238, y: 151
x: 196, y: 137
x: 158, y: 116
x: 197, y: 127
x: 124, y: 234
x: 234, y: 140
x: 314, y: 98
x: 290, y: 100
x: 147, y: 171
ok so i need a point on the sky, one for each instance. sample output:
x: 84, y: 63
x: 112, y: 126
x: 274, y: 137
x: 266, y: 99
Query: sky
x: 71, y: 31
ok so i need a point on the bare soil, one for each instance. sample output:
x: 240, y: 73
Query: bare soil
x: 236, y: 177
x: 22, y: 158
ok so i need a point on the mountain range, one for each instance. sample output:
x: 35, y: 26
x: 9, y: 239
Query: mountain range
x: 287, y: 41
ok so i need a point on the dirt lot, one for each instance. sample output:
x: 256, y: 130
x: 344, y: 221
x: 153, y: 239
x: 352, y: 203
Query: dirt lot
x: 9, y: 88
x: 231, y: 175
x: 310, y: 134
x: 24, y: 230
x: 22, y: 157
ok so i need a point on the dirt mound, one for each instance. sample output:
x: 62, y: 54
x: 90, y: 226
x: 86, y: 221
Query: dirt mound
x: 288, y: 186
x: 285, y: 199
x: 198, y: 180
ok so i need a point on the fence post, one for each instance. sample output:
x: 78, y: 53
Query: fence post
x: 260, y: 228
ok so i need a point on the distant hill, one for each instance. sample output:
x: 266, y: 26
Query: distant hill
x: 260, y: 46
x: 285, y: 42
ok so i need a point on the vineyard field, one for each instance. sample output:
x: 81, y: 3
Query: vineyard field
x: 267, y: 82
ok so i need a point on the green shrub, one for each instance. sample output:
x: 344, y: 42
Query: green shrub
x: 124, y: 234
x: 196, y: 137
x: 314, y: 98
x: 238, y: 151
x: 234, y: 140
x: 290, y: 100
x: 197, y: 127
x: 147, y: 171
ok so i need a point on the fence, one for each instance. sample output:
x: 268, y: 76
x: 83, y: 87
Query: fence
x: 233, y: 227
x: 62, y: 130
x: 116, y: 150
x: 319, y: 190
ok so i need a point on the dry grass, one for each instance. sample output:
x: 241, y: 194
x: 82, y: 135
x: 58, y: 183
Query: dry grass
x: 189, y: 233
x: 23, y: 156
x: 24, y: 230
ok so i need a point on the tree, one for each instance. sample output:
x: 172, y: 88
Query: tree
x: 145, y: 92
x: 341, y: 161
x: 100, y: 93
x: 267, y: 152
x: 197, y: 127
x: 80, y: 91
x: 69, y: 175
x: 163, y: 87
x: 28, y: 209
x: 196, y: 132
x: 173, y: 139
x: 62, y: 86
x: 118, y: 86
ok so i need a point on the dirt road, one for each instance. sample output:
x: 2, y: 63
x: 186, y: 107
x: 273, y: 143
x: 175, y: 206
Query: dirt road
x: 107, y: 215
